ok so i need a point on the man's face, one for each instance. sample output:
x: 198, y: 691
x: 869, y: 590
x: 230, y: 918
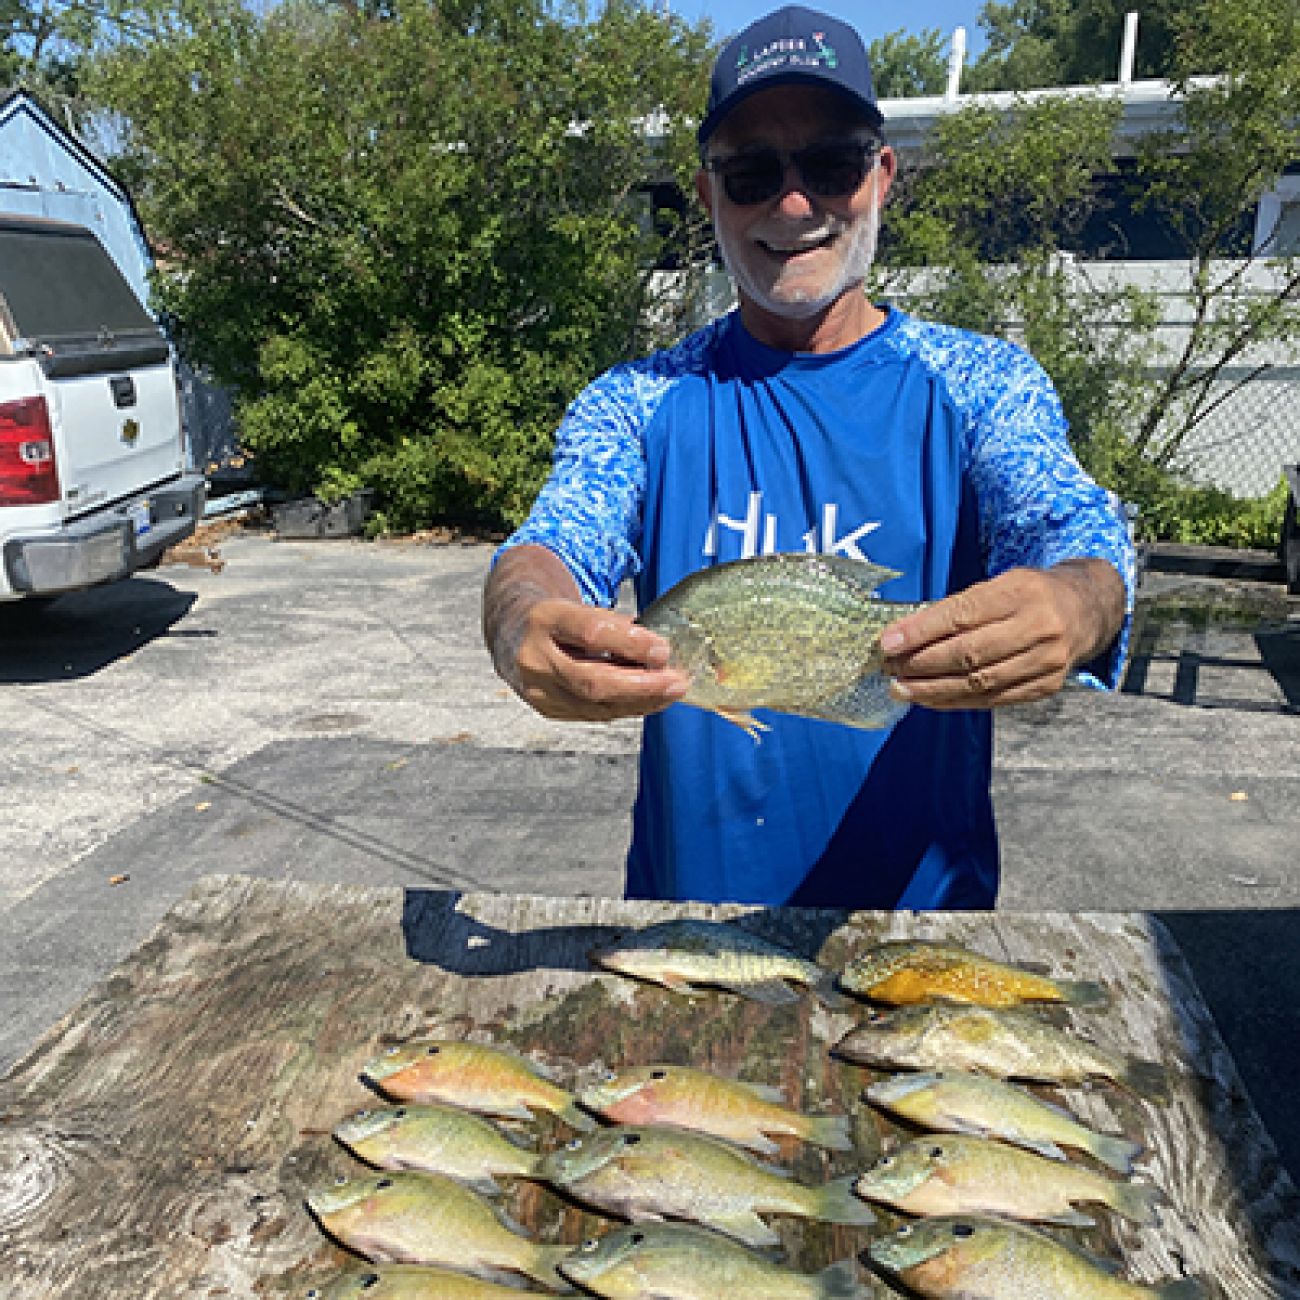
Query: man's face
x: 796, y: 252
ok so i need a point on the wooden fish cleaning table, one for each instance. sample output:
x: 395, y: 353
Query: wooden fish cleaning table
x: 159, y: 1140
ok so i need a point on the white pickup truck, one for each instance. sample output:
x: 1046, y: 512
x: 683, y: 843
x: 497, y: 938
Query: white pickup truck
x: 93, y: 484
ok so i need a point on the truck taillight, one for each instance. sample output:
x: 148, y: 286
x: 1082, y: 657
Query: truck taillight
x: 28, y: 474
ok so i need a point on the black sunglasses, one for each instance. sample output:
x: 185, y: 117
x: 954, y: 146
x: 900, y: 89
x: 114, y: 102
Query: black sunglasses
x: 831, y: 171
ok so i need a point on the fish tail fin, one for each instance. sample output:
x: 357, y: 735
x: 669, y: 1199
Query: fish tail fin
x: 837, y: 1202
x: 831, y: 1132
x: 1115, y: 1152
x: 543, y: 1266
x: 1146, y: 1078
x: 1083, y: 993
x: 839, y: 1281
x: 1186, y: 1288
x: 1138, y: 1201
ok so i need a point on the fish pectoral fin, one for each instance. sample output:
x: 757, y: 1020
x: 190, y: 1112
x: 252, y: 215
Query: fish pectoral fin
x: 1071, y: 1219
x: 745, y: 1226
x: 514, y: 1110
x: 745, y: 720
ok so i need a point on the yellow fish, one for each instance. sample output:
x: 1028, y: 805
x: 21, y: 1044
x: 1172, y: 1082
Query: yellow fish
x: 912, y: 970
x: 471, y: 1075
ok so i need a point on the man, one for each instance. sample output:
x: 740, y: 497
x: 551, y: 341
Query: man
x: 812, y: 419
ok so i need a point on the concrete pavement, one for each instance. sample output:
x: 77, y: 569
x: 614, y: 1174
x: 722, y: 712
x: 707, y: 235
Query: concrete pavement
x: 325, y: 711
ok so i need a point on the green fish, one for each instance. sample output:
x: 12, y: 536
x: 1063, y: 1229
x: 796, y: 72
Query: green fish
x: 678, y: 1261
x: 1008, y: 1044
x: 437, y: 1140
x: 640, y: 1172
x: 954, y: 1101
x: 792, y: 633
x: 410, y: 1282
x: 410, y: 1218
x: 957, y: 1174
x: 743, y: 1113
x: 965, y: 1257
x: 689, y: 955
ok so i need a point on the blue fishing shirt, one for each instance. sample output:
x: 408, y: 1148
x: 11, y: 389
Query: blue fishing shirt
x: 933, y: 451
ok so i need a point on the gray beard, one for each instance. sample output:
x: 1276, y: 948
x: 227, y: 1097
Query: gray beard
x: 856, y: 266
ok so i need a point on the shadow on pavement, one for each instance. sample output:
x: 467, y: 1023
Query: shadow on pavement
x: 80, y: 634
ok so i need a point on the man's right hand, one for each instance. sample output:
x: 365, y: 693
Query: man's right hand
x: 566, y: 659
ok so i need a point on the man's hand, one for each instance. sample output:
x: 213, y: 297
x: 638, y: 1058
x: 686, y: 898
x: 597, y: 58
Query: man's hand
x: 566, y: 659
x: 1013, y: 638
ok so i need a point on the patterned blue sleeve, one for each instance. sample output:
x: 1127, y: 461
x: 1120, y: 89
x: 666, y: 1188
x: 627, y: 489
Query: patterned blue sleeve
x: 589, y: 511
x: 1037, y: 505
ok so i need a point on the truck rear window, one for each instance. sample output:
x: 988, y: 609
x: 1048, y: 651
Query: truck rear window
x: 58, y: 282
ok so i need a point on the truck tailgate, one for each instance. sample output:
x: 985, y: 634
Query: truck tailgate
x: 115, y: 432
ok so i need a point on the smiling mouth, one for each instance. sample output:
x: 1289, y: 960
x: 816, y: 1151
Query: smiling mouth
x: 795, y: 248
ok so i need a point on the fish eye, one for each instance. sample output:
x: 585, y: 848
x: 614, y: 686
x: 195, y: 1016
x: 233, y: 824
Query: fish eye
x: 573, y: 1144
x: 383, y: 1184
x: 631, y: 1139
x: 936, y: 1152
x: 400, y: 1113
x: 313, y: 1294
x: 370, y: 1279
x: 391, y: 1051
x: 962, y: 1231
x: 592, y: 1243
x: 609, y: 1076
x: 432, y: 1050
x: 904, y: 1231
x: 884, y: 1162
x: 658, y: 1074
x: 636, y: 1238
x: 341, y: 1180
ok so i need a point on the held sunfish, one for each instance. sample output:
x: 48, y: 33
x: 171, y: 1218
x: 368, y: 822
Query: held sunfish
x: 792, y: 633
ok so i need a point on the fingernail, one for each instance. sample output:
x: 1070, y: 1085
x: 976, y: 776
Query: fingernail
x: 891, y: 642
x: 899, y: 690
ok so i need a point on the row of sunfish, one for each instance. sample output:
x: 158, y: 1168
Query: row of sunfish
x: 679, y: 1151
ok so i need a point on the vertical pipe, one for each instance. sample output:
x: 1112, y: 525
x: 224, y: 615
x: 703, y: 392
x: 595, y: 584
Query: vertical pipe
x: 1129, y: 49
x: 956, y: 60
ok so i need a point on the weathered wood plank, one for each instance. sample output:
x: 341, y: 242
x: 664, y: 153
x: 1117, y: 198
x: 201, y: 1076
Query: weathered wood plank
x: 159, y: 1140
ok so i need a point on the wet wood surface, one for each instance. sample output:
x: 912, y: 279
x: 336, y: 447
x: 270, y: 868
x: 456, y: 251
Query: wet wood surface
x: 160, y: 1140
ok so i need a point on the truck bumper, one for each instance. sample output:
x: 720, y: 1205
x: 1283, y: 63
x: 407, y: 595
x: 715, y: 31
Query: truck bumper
x: 109, y: 544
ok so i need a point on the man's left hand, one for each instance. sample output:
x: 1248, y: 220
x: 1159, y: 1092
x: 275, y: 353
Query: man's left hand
x: 1010, y: 639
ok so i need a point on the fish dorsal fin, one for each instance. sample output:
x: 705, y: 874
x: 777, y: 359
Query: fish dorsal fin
x: 861, y: 574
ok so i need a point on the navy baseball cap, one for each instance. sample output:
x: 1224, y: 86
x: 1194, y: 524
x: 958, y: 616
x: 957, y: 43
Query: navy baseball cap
x: 790, y: 45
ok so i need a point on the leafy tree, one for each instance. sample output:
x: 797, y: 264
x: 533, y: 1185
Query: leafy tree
x: 1035, y: 43
x: 999, y: 198
x: 406, y: 234
x: 904, y: 65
